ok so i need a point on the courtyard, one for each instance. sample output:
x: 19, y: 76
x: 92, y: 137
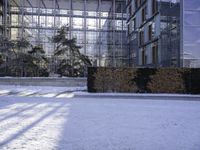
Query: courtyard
x: 70, y: 123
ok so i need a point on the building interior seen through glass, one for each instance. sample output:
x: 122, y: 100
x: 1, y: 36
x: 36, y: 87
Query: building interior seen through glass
x: 98, y: 25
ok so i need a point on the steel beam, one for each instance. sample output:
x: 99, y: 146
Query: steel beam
x: 43, y: 3
x: 5, y: 13
x: 99, y: 29
x: 15, y: 3
x: 70, y: 20
x: 22, y: 17
x: 113, y: 34
x: 39, y: 21
x: 29, y: 3
x: 85, y: 36
x: 57, y: 4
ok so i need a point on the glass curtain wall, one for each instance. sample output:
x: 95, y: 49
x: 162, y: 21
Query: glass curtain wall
x: 98, y: 25
x: 170, y: 32
x: 191, y: 32
x: 154, y: 32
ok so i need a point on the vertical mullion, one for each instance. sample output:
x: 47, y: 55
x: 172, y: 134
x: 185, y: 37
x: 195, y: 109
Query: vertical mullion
x: 22, y: 18
x: 99, y: 41
x: 113, y: 34
x: 85, y: 4
x: 5, y: 17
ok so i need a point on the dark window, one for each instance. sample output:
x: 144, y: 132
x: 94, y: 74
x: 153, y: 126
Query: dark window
x: 143, y: 15
x: 134, y: 24
x: 150, y: 32
x: 155, y: 53
x: 137, y: 3
x: 144, y: 57
x: 141, y: 37
x: 129, y: 29
x: 154, y: 6
x: 130, y: 11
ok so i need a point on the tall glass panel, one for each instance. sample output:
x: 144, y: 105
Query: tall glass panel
x: 191, y: 32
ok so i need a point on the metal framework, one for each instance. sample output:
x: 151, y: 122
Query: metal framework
x: 98, y: 25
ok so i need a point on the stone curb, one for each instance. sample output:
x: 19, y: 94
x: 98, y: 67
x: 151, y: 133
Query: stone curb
x: 137, y: 96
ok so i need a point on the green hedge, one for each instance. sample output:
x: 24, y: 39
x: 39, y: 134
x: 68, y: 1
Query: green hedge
x: 144, y: 80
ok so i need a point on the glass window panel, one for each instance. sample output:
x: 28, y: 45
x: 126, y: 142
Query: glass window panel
x: 92, y: 5
x: 78, y: 23
x: 91, y: 23
x: 79, y: 35
x: 92, y: 13
x: 104, y: 24
x: 77, y: 12
x: 15, y: 9
x: 191, y: 46
x: 43, y: 10
x: 191, y: 34
x: 43, y: 21
x: 27, y: 20
x: 64, y: 21
x: 192, y: 5
x: 91, y: 49
x: 192, y: 18
x: 50, y: 21
x: 91, y: 37
x: 49, y: 11
x: 14, y: 20
x: 63, y: 11
x: 27, y: 32
x: 35, y: 20
x: 106, y: 5
x: 104, y: 14
x: 118, y: 24
x: 14, y: 33
x: 28, y: 9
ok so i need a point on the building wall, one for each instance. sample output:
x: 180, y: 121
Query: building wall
x: 156, y: 35
x: 144, y: 15
x: 108, y: 35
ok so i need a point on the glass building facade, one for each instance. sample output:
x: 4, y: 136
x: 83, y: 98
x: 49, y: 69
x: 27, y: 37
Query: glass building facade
x: 191, y: 33
x: 164, y: 33
x: 116, y: 33
x: 98, y: 25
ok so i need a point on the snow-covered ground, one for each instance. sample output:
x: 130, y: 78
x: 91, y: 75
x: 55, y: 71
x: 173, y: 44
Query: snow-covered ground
x: 50, y: 123
x: 39, y: 91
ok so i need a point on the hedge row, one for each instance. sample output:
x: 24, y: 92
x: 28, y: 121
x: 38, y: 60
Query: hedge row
x: 144, y: 80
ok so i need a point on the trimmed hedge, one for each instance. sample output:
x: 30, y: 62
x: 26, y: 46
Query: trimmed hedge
x: 144, y: 80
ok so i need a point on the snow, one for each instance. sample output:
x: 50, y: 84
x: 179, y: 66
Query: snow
x: 39, y: 91
x: 54, y: 120
x: 67, y: 92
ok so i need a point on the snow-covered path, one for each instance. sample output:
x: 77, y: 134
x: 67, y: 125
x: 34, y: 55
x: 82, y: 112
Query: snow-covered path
x: 38, y: 123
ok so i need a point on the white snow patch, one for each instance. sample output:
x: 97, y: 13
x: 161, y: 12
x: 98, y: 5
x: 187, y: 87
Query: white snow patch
x: 32, y: 123
x: 39, y: 91
x: 43, y: 89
